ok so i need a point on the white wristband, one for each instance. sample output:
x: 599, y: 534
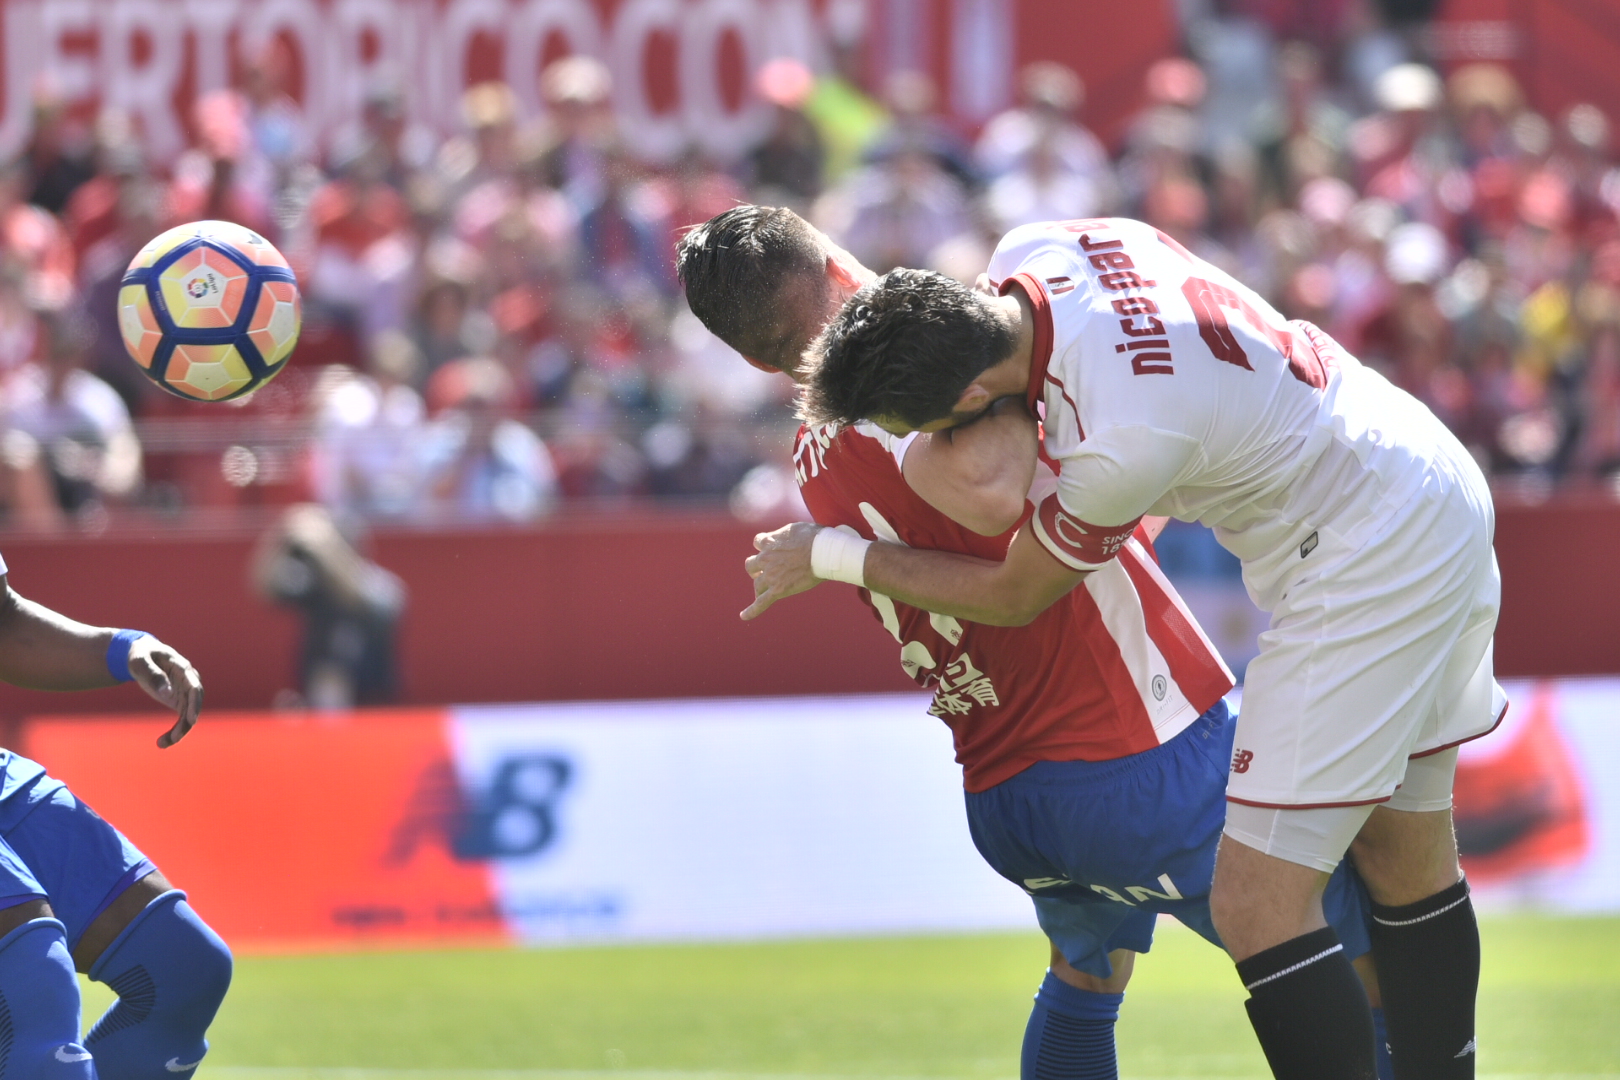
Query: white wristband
x: 836, y: 555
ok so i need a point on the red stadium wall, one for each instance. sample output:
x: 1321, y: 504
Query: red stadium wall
x: 645, y: 606
x: 638, y: 606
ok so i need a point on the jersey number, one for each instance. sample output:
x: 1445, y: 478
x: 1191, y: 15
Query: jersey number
x: 1211, y: 301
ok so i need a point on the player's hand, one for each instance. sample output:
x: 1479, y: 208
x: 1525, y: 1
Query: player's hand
x: 170, y: 680
x: 782, y: 566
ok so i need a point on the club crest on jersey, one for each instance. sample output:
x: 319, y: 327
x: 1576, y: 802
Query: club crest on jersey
x: 1069, y: 531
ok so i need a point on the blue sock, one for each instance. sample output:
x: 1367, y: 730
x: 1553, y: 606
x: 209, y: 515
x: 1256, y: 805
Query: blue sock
x: 170, y: 971
x: 1386, y: 1067
x: 39, y: 1006
x: 1070, y: 1034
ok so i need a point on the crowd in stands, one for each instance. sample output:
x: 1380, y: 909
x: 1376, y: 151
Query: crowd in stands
x: 493, y: 329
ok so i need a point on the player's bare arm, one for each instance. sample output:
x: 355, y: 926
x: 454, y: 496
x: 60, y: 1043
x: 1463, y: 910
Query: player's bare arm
x: 1008, y: 593
x: 978, y: 474
x: 41, y: 649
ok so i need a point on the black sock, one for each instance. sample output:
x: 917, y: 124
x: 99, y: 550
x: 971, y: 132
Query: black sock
x: 1428, y: 972
x: 1309, y: 1010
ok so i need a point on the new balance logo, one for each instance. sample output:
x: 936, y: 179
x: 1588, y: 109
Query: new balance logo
x: 1241, y: 759
x: 1471, y: 1048
x: 1141, y: 894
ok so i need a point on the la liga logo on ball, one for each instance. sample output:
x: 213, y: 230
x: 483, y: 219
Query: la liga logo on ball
x: 209, y: 311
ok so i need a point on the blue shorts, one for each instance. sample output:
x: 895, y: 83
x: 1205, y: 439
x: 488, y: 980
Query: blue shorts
x: 1104, y: 847
x: 62, y: 851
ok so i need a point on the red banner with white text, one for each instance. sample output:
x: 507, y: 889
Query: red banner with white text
x: 681, y: 68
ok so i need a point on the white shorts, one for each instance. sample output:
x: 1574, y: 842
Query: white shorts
x: 1309, y: 836
x: 1376, y: 654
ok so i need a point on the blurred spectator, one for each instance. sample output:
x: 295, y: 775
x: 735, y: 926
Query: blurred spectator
x: 1045, y: 166
x: 1040, y: 190
x: 445, y: 324
x: 27, y: 496
x: 845, y: 116
x: 381, y: 143
x: 900, y: 209
x: 34, y: 246
x: 368, y: 460
x: 1584, y: 157
x: 80, y: 423
x: 1400, y: 152
x: 364, y: 256
x: 489, y: 110
x: 1304, y: 123
x: 786, y: 168
x: 1409, y: 338
x: 1237, y: 55
x: 274, y: 119
x: 225, y: 177
x: 916, y: 128
x: 350, y: 605
x: 1045, y: 122
x: 579, y: 127
x: 1599, y: 450
x: 1165, y: 138
x: 690, y: 193
x: 59, y: 156
x: 1178, y: 206
x: 109, y: 219
x: 625, y: 234
x: 481, y: 464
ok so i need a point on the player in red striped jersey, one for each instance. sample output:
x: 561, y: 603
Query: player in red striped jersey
x: 1094, y: 741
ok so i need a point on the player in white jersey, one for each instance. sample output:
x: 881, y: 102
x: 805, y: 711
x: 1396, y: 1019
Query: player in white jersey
x: 1364, y: 528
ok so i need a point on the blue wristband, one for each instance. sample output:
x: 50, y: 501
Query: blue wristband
x: 118, y: 653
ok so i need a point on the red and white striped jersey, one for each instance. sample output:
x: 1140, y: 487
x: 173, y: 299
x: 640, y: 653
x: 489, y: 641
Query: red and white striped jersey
x: 1116, y: 667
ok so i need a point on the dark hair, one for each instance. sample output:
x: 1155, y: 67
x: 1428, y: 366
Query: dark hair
x: 905, y: 346
x: 756, y: 277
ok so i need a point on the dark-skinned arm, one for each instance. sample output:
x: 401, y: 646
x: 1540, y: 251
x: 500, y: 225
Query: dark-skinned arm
x: 41, y: 649
x: 978, y: 474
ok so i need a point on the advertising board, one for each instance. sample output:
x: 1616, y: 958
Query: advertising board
x: 691, y: 819
x: 701, y: 819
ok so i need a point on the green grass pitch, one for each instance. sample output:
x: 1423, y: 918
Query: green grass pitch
x: 878, y: 1007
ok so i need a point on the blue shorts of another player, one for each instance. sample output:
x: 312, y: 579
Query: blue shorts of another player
x: 62, y: 851
x: 1104, y: 847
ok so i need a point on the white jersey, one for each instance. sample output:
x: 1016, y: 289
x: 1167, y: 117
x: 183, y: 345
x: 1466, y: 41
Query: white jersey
x: 1170, y: 388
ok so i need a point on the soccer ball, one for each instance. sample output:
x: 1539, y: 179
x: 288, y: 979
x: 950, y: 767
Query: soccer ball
x: 209, y: 311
